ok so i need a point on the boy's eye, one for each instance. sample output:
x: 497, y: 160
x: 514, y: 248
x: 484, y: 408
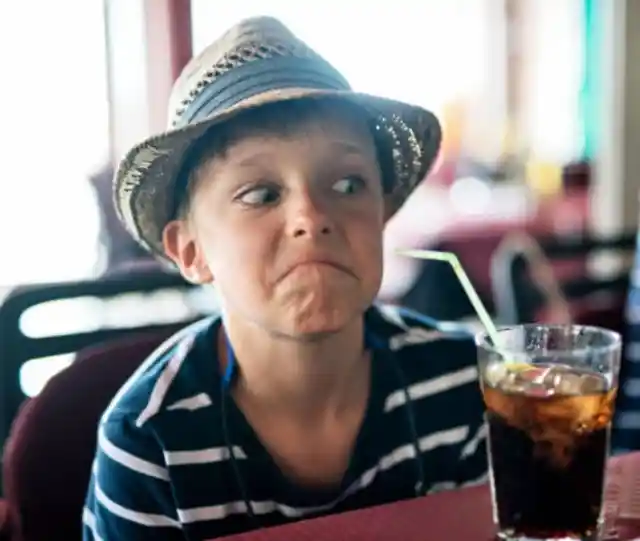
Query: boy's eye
x: 268, y: 195
x: 348, y: 185
x: 261, y: 195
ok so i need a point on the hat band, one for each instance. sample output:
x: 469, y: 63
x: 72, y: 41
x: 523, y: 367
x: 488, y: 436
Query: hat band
x: 257, y: 77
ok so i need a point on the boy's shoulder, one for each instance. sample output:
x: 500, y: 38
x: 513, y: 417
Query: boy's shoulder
x: 424, y: 346
x: 170, y: 374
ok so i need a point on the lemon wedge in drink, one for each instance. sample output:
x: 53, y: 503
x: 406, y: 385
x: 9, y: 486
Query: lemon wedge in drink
x: 498, y: 371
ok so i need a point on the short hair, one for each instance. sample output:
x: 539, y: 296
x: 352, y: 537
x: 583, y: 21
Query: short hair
x: 280, y: 118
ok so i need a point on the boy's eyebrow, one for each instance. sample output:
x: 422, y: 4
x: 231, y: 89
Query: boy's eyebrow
x: 348, y: 147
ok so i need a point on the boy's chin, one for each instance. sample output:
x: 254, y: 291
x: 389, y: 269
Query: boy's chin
x: 321, y: 324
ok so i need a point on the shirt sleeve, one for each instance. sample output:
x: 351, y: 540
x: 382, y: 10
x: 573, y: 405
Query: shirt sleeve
x: 625, y: 436
x: 129, y: 496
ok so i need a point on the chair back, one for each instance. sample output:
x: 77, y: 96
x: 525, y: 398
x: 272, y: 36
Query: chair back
x: 48, y: 456
x: 51, y: 322
x: 521, y: 296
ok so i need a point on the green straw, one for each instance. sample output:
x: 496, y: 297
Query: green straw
x: 473, y: 296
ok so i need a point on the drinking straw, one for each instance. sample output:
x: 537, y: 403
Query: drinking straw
x: 474, y: 298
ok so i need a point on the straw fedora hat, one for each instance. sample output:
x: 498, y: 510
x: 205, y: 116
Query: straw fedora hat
x: 256, y: 62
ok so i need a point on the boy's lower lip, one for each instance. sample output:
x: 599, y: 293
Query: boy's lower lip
x: 329, y: 264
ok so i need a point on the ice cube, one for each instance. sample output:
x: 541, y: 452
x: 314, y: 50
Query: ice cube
x: 566, y: 380
x: 514, y: 382
x: 572, y: 382
x: 592, y: 384
x: 563, y: 381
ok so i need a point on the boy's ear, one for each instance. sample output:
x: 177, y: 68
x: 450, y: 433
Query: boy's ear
x: 181, y: 246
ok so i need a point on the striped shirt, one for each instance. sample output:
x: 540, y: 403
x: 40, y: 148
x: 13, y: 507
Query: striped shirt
x: 170, y: 459
x: 626, y: 426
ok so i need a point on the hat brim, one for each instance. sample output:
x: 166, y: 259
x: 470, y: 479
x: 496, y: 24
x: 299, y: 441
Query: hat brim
x: 145, y: 180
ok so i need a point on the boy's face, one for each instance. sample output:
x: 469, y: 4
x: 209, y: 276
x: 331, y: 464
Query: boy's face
x: 289, y: 228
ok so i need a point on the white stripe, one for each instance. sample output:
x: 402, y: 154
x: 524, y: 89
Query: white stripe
x: 130, y: 461
x: 444, y: 437
x: 192, y: 403
x: 397, y: 456
x: 393, y: 315
x: 217, y: 512
x: 629, y: 420
x: 633, y: 315
x: 632, y: 387
x: 442, y: 487
x: 90, y: 522
x: 146, y: 519
x: 484, y: 478
x: 214, y: 512
x: 203, y: 456
x: 449, y: 485
x: 430, y: 387
x: 153, y: 358
x: 414, y: 336
x: 164, y: 381
x: 633, y: 351
x: 472, y: 445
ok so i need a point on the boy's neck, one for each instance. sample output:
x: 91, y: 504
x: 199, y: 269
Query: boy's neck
x: 303, y: 378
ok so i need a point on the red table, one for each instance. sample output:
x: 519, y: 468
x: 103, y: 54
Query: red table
x: 455, y: 516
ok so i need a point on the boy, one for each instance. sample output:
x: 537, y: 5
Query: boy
x: 302, y: 398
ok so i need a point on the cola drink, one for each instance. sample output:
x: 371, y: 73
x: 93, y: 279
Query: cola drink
x: 548, y: 443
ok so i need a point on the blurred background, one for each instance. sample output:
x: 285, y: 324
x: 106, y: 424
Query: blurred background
x: 535, y: 189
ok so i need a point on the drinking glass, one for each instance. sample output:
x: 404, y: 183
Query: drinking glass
x: 549, y: 393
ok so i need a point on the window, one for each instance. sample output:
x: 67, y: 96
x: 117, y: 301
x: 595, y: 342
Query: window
x: 446, y: 55
x: 55, y: 119
x: 430, y: 53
